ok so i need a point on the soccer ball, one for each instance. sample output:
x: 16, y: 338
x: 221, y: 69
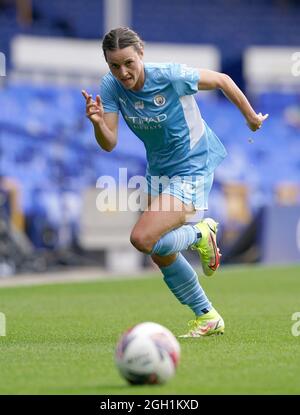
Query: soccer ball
x: 147, y: 353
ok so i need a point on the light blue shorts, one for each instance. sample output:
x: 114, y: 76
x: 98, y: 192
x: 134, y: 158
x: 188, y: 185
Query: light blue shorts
x: 188, y: 189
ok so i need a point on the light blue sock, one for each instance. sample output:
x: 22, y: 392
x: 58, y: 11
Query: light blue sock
x: 176, y: 240
x: 183, y: 281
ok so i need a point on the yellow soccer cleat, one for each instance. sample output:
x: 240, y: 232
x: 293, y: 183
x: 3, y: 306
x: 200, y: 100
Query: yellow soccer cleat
x: 209, y: 324
x: 207, y: 246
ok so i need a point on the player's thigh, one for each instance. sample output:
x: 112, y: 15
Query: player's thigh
x: 164, y: 213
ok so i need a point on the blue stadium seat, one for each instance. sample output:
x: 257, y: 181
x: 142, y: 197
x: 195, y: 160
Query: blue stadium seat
x: 50, y: 153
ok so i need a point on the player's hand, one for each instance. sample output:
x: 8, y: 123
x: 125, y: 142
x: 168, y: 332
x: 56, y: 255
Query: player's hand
x: 256, y: 122
x: 94, y: 109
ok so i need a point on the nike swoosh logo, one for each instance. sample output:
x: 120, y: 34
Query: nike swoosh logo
x: 215, y: 264
x: 212, y: 325
x: 213, y: 230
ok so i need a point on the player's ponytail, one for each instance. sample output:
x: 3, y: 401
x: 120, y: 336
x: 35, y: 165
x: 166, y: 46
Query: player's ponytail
x: 121, y: 38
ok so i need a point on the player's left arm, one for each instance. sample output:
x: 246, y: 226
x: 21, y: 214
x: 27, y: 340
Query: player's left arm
x: 217, y: 80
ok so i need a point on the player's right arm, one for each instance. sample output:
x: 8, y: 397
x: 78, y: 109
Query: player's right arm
x: 216, y: 80
x: 105, y: 123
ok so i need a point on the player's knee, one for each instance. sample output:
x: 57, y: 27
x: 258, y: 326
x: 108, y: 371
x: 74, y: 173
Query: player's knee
x: 141, y: 241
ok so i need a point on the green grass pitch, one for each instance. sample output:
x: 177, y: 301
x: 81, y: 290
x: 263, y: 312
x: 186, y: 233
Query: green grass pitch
x: 61, y: 338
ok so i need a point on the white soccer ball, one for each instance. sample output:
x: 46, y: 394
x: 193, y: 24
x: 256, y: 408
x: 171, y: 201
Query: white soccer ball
x: 147, y: 353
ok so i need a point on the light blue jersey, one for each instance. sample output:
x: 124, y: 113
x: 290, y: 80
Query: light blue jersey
x: 166, y: 117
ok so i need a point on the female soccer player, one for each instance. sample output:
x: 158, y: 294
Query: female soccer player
x: 157, y: 103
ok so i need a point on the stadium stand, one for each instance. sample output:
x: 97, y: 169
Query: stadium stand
x: 46, y: 156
